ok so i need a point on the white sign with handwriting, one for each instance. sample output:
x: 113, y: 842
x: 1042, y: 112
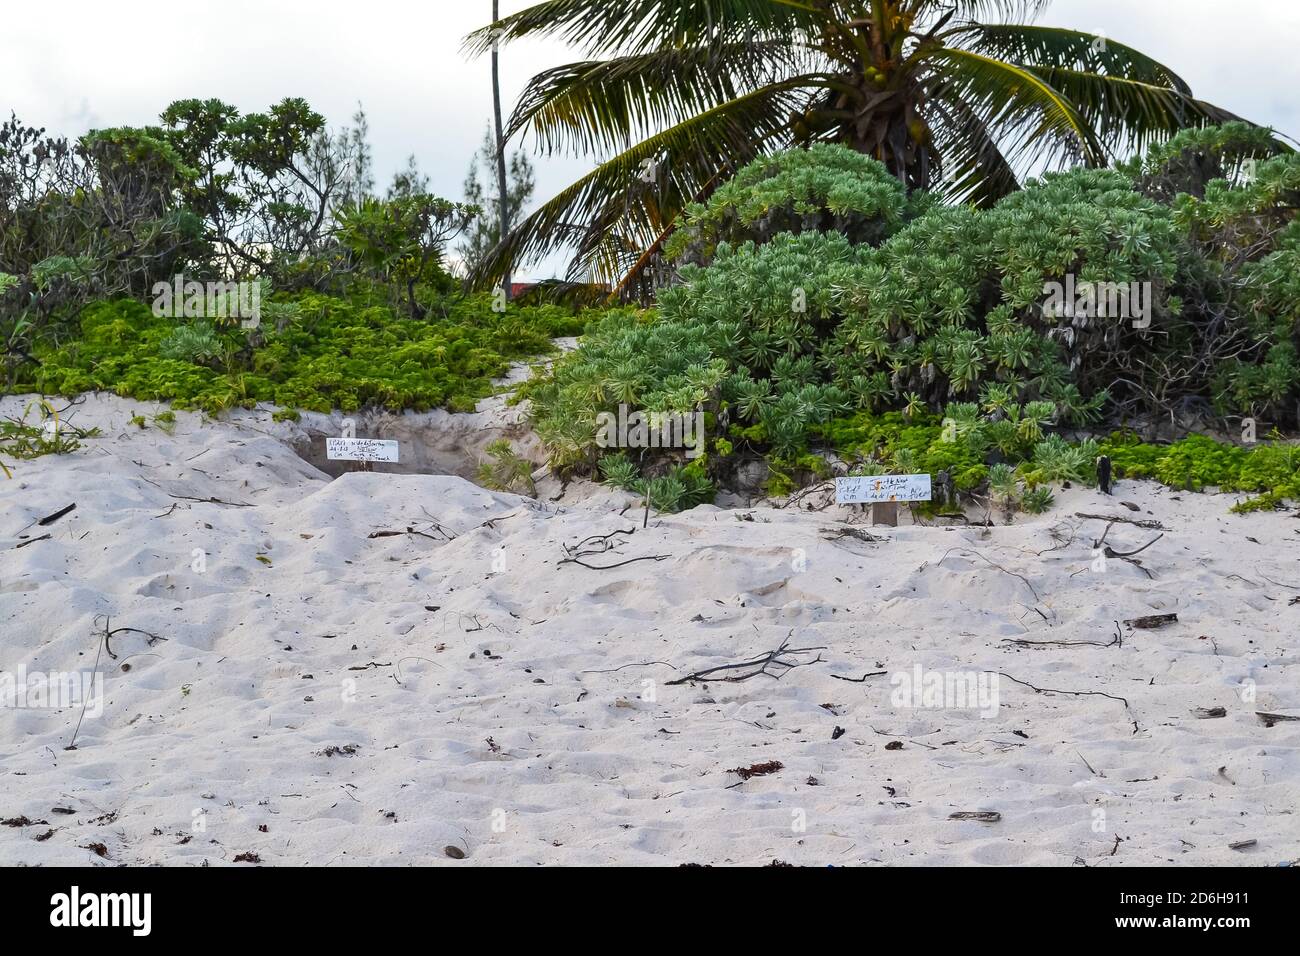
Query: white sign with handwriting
x: 360, y: 449
x: 873, y: 489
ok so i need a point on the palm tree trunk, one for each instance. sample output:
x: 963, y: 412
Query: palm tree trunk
x: 502, y: 190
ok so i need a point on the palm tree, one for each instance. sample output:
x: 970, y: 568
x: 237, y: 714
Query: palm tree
x: 678, y: 94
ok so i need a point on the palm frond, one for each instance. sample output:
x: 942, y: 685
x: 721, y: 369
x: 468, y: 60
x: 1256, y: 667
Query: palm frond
x: 1069, y: 49
x: 1127, y: 114
x: 597, y: 104
x: 1021, y: 109
x: 636, y: 26
x: 611, y: 214
x: 975, y: 170
x: 984, y: 9
x: 703, y: 86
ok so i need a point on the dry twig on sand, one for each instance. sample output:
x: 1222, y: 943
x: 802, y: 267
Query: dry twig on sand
x: 203, y: 501
x: 1280, y: 584
x: 607, y: 567
x: 1032, y: 590
x: 603, y: 544
x: 1116, y: 641
x: 50, y: 519
x: 110, y: 632
x: 100, y: 646
x: 857, y: 534
x: 756, y: 665
x: 614, y: 670
x: 1149, y: 523
x: 823, y: 487
x: 1126, y: 555
x: 1129, y: 556
x: 408, y: 530
x: 1062, y: 534
x: 1072, y: 693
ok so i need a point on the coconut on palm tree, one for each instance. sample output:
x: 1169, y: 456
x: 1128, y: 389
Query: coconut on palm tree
x: 956, y: 96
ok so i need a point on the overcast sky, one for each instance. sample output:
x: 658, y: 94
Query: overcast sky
x: 70, y: 65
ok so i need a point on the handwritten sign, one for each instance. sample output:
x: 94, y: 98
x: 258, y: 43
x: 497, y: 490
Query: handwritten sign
x: 875, y: 489
x: 360, y: 449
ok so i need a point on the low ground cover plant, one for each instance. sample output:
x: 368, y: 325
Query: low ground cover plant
x: 327, y: 352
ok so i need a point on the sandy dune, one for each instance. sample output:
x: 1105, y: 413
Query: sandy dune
x: 323, y: 696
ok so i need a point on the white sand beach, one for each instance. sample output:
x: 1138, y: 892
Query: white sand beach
x: 297, y: 690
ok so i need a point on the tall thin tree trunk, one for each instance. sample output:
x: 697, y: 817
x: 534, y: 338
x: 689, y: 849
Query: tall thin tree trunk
x: 502, y: 190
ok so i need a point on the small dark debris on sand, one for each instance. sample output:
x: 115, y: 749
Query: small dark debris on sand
x: 1271, y: 719
x: 22, y: 822
x: 1153, y: 621
x: 333, y: 751
x: 758, y: 769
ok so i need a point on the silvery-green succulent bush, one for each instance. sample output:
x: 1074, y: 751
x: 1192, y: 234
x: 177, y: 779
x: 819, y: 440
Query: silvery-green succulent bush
x: 872, y: 302
x: 824, y: 188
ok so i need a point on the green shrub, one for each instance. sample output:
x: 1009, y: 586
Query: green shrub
x: 822, y: 188
x: 826, y: 302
